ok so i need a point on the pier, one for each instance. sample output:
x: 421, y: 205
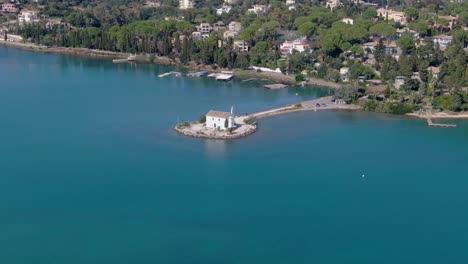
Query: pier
x: 177, y: 74
x: 129, y: 59
x: 432, y: 124
x: 246, y: 123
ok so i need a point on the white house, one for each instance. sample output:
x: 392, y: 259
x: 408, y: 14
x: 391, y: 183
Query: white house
x: 224, y: 9
x: 235, y: 26
x: 204, y: 28
x: 259, y: 9
x: 349, y: 21
x: 332, y: 4
x: 241, y: 45
x: 288, y: 47
x: 443, y: 41
x: 230, y: 34
x: 185, y: 4
x: 344, y: 74
x: 220, y: 120
x: 399, y: 81
x: 28, y: 16
x: 290, y: 2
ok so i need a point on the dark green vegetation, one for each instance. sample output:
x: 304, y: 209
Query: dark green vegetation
x: 132, y: 26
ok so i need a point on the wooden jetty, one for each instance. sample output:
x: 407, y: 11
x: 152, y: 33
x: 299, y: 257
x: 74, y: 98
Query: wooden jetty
x: 275, y: 86
x: 432, y: 124
x: 129, y: 59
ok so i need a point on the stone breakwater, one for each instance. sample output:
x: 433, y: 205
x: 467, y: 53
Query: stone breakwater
x: 244, y: 123
x: 199, y: 130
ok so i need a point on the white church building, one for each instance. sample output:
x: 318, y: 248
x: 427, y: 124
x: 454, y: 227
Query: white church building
x: 220, y: 120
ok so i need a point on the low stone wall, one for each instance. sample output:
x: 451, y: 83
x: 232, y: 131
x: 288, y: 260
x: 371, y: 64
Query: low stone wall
x: 188, y: 131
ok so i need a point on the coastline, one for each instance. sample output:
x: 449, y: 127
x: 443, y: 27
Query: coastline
x: 239, y: 73
x: 440, y: 115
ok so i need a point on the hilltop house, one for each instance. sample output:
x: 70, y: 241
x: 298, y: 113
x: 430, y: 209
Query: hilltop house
x: 224, y: 9
x: 452, y: 20
x: 288, y: 47
x: 230, y: 34
x: 393, y: 50
x: 332, y: 4
x: 28, y: 16
x: 434, y: 71
x: 443, y: 41
x: 399, y: 81
x: 396, y: 16
x: 219, y: 26
x: 235, y: 26
x: 344, y: 71
x: 220, y: 120
x: 241, y: 45
x: 259, y: 10
x: 9, y: 8
x: 349, y: 21
x: 413, y: 34
x: 204, y: 28
x: 185, y: 4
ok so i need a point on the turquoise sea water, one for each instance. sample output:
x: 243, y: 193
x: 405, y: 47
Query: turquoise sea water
x: 92, y: 172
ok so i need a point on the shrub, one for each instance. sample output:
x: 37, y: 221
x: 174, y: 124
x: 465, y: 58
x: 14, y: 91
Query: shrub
x: 202, y: 119
x: 300, y: 77
x: 401, y: 108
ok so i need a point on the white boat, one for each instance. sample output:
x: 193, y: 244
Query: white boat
x: 224, y: 77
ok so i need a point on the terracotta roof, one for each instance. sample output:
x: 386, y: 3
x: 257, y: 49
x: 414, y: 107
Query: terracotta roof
x: 433, y: 69
x: 218, y: 114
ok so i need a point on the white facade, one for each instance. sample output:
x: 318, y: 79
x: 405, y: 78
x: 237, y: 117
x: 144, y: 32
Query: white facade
x: 223, y: 9
x: 259, y: 9
x: 349, y: 21
x: 290, y: 2
x: 332, y: 4
x: 235, y: 26
x: 185, y: 4
x: 230, y: 34
x: 443, y: 41
x: 344, y: 74
x: 220, y: 120
x: 204, y: 28
x: 28, y: 17
x: 241, y: 45
x: 288, y: 47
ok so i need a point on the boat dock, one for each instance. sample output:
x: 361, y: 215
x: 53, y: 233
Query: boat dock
x: 222, y: 76
x: 275, y: 86
x: 128, y: 59
x: 432, y: 124
x: 177, y: 74
x: 197, y: 74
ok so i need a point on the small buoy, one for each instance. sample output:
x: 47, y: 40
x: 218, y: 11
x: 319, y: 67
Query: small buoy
x: 297, y: 94
x: 363, y: 175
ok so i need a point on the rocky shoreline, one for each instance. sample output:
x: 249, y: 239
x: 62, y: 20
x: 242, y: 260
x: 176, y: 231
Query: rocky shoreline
x: 198, y: 130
